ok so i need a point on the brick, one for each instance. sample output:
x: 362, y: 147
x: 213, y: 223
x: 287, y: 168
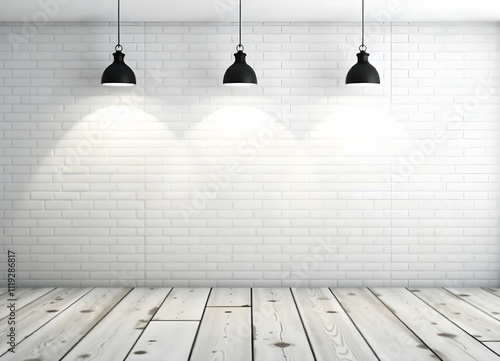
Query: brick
x: 83, y: 205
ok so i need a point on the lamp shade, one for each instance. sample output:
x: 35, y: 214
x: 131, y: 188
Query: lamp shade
x: 362, y: 72
x: 118, y: 73
x: 240, y: 73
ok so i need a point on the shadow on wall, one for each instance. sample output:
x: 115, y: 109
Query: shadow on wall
x: 122, y: 200
x: 108, y: 195
x: 84, y: 203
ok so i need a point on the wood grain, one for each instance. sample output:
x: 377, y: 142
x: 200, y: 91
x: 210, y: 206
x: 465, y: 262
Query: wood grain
x: 183, y: 304
x: 57, y: 337
x: 338, y: 324
x: 445, y: 338
x: 278, y: 332
x: 332, y: 334
x: 165, y: 340
x: 494, y: 346
x: 224, y: 335
x: 388, y: 337
x: 494, y: 291
x: 225, y: 297
x: 479, y: 298
x: 23, y: 296
x: 33, y: 316
x: 113, y: 337
x: 470, y: 319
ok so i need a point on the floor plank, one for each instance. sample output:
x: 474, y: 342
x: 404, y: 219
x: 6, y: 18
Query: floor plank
x: 494, y: 346
x: 165, y: 340
x: 33, y: 316
x: 278, y: 332
x: 339, y: 324
x: 387, y: 336
x: 226, y: 297
x: 57, y: 337
x: 470, y: 319
x: 23, y: 296
x: 183, y: 304
x: 479, y: 298
x: 332, y: 334
x: 445, y: 338
x: 224, y: 335
x: 113, y: 337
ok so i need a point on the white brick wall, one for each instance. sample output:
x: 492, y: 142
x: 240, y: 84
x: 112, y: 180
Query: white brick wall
x: 299, y: 181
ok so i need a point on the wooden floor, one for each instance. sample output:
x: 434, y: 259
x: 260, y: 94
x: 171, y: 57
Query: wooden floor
x: 242, y: 324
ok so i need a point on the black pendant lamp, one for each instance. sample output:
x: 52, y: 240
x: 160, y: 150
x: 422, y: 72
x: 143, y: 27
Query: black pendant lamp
x: 240, y: 73
x: 362, y: 73
x: 118, y: 73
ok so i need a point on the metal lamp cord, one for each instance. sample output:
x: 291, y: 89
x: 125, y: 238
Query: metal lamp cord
x: 118, y: 45
x: 362, y: 23
x: 239, y: 45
